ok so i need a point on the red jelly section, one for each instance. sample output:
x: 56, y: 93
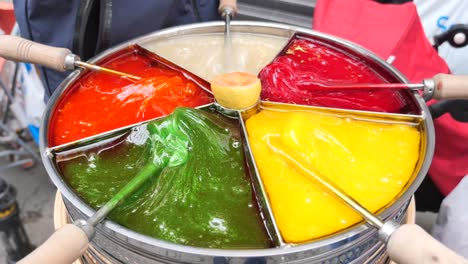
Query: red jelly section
x: 99, y: 102
x: 299, y: 74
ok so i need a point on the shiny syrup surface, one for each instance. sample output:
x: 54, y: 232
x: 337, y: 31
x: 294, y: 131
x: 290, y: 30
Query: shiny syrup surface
x: 99, y: 102
x: 299, y: 74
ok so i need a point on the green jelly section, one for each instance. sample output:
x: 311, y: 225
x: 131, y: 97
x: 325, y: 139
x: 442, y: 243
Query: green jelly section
x: 202, y: 197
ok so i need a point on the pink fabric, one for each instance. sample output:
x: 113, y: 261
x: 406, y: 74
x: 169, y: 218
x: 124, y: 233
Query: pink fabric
x: 7, y: 21
x: 396, y: 30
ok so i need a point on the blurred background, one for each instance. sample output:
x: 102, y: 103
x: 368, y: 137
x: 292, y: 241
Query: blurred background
x: 23, y: 178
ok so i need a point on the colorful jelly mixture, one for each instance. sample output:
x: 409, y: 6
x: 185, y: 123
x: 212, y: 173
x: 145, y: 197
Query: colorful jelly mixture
x: 299, y: 75
x: 100, y: 102
x: 205, y: 201
x: 204, y: 54
x: 371, y: 161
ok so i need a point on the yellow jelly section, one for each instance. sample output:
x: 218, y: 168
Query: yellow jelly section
x: 370, y: 161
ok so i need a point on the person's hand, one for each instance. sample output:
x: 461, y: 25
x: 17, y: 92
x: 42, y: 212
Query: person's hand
x: 228, y: 6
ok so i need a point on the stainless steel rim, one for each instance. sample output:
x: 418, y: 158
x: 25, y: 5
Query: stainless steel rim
x: 247, y: 27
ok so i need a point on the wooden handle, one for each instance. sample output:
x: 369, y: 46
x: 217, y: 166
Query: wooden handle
x: 449, y: 86
x: 63, y: 247
x: 19, y: 49
x: 410, y: 244
x: 223, y: 4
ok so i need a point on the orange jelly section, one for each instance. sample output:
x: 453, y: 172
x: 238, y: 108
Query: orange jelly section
x: 371, y: 161
x: 100, y: 102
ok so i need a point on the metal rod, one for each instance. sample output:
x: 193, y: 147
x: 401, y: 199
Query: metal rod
x: 227, y: 14
x: 411, y: 86
x: 227, y: 29
x: 337, y: 191
x: 105, y: 70
x: 22, y: 143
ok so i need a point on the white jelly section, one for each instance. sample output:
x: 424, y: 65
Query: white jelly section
x: 205, y: 54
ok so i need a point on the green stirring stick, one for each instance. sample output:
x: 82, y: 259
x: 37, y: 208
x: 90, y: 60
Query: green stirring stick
x: 169, y: 148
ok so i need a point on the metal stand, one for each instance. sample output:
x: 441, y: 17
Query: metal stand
x: 12, y: 146
x: 12, y: 233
